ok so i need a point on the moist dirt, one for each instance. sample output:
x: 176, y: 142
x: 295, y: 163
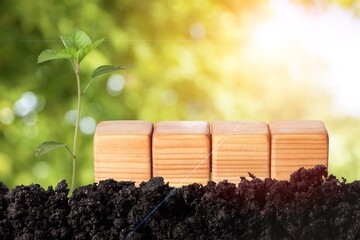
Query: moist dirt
x: 312, y: 205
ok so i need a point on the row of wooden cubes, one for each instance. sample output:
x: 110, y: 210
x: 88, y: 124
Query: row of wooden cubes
x: 185, y: 152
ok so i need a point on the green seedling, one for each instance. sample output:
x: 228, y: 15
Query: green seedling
x: 77, y: 46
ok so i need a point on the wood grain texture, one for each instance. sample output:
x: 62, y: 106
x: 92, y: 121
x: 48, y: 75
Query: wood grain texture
x: 122, y: 151
x: 181, y: 152
x: 295, y: 144
x: 239, y: 147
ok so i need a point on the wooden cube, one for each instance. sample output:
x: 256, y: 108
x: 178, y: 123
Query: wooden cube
x: 239, y: 147
x: 122, y: 151
x: 181, y: 152
x: 295, y: 144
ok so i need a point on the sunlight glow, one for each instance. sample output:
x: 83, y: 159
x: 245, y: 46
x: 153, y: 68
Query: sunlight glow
x: 197, y: 31
x: 328, y: 38
x: 26, y: 104
x: 6, y: 116
x: 115, y: 84
x: 87, y: 125
x: 41, y: 169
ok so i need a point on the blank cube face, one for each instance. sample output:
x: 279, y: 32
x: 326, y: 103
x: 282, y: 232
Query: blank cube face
x: 122, y: 151
x: 181, y: 152
x: 239, y: 147
x: 296, y: 144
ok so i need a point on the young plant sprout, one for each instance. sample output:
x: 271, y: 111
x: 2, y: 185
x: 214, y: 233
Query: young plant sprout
x: 77, y: 46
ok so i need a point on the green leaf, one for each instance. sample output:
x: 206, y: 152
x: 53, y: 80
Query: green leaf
x: 108, y: 69
x: 50, y: 54
x: 49, y: 146
x: 86, y: 50
x: 76, y: 39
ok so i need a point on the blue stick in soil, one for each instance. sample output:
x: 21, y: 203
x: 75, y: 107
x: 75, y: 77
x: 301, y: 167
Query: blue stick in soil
x: 149, y: 215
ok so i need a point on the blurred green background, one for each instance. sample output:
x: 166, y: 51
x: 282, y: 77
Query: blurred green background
x: 196, y: 60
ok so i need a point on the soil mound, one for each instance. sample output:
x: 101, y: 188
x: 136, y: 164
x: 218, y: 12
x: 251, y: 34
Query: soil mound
x: 312, y: 205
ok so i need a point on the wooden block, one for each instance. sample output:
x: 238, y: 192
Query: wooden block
x: 239, y: 147
x: 122, y: 151
x: 295, y: 144
x: 181, y: 152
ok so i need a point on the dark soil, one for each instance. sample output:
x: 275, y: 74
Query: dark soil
x: 312, y: 205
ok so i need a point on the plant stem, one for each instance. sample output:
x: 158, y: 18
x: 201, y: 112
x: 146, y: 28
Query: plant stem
x: 77, y: 72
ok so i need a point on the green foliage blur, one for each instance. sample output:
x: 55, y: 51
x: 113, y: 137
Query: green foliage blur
x: 191, y: 64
